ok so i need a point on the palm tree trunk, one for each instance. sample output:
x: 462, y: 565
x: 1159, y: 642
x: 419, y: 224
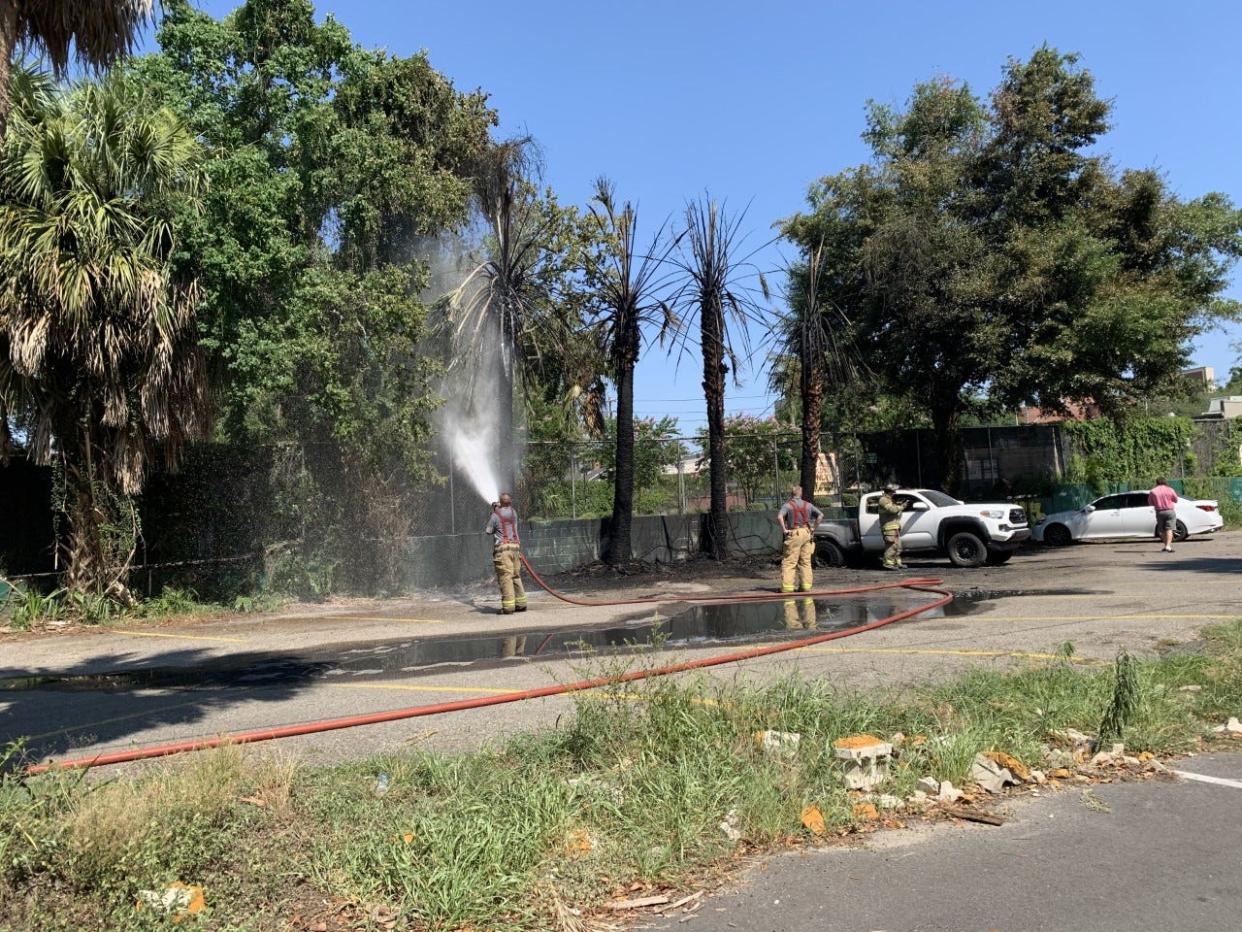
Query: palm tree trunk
x: 619, y: 545
x: 8, y: 39
x: 712, y: 338
x: 812, y: 412
x: 506, y: 469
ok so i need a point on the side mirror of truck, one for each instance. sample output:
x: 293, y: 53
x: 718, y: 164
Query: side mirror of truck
x: 919, y: 506
x: 1087, y: 509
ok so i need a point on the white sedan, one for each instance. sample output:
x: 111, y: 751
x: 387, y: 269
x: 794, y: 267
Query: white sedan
x: 1125, y: 515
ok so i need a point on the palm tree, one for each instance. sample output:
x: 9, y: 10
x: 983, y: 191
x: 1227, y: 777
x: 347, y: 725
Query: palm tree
x: 628, y: 297
x: 715, y: 292
x: 812, y: 336
x: 96, y: 32
x: 507, y: 315
x: 99, y: 357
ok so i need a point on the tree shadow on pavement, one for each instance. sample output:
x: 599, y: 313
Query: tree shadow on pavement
x: 1216, y: 565
x: 78, y: 706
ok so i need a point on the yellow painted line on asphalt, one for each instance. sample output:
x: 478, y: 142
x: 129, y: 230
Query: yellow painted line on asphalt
x: 408, y: 687
x: 176, y: 637
x: 951, y: 652
x: 147, y: 713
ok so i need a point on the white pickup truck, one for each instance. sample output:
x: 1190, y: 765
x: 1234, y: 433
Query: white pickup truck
x: 931, y: 522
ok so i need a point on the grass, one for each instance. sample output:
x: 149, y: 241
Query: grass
x: 26, y: 609
x: 632, y: 790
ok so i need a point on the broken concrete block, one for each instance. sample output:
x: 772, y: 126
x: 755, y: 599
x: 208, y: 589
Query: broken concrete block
x: 885, y: 801
x: 989, y: 774
x: 1010, y: 763
x: 929, y: 785
x: 779, y: 743
x: 1056, y: 758
x: 948, y: 792
x: 1231, y: 727
x: 867, y: 758
x: 1039, y: 777
x: 1076, y: 740
x: 730, y: 828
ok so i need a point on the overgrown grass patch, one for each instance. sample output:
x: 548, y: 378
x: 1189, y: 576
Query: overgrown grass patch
x: 634, y: 788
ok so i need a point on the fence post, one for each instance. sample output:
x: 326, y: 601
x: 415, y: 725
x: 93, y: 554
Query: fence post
x: 573, y: 482
x: 681, y: 484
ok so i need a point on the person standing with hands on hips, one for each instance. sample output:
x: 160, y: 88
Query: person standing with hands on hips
x: 1164, y: 499
x: 507, y: 555
x: 798, y: 520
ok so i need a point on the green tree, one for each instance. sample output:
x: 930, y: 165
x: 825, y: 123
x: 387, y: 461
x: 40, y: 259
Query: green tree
x: 94, y: 33
x: 1002, y: 259
x: 758, y: 451
x: 335, y: 170
x: 627, y: 296
x: 99, y: 358
x: 656, y: 445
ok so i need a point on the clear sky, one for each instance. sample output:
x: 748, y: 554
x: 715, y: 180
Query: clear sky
x: 753, y: 101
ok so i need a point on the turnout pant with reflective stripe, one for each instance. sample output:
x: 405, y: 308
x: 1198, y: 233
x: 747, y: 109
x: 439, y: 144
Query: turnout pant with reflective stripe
x: 892, y: 553
x: 796, y: 556
x: 507, y: 558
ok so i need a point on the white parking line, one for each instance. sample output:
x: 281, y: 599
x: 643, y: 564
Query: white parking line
x: 1204, y: 778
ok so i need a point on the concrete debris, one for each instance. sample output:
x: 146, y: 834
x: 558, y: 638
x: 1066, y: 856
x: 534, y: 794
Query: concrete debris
x: 1076, y: 740
x: 1057, y: 758
x: 729, y: 826
x: 884, y: 801
x: 929, y: 785
x: 1232, y: 727
x: 990, y: 775
x: 1038, y: 776
x: 178, y: 899
x: 1010, y: 763
x: 1105, y: 758
x: 948, y: 792
x: 867, y: 758
x: 779, y: 743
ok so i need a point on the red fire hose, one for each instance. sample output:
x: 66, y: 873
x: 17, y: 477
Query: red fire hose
x: 375, y: 718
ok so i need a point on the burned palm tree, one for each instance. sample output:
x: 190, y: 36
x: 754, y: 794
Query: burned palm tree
x: 99, y: 356
x: 95, y: 33
x: 715, y: 291
x: 508, y: 312
x: 629, y: 296
x: 812, y: 336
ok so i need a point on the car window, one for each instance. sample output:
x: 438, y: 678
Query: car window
x: 1109, y: 502
x: 1136, y: 500
x: 939, y: 499
x: 872, y: 505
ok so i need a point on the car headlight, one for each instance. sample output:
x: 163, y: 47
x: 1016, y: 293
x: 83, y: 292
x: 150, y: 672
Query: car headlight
x: 994, y: 513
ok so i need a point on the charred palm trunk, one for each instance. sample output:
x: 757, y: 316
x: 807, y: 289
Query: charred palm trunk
x: 506, y: 446
x: 619, y: 544
x: 812, y: 391
x: 712, y: 336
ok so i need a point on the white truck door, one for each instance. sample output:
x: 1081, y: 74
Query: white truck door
x: 918, y: 525
x: 869, y: 531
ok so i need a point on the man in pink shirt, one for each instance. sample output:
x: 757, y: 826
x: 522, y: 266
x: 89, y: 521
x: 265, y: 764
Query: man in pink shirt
x: 1164, y: 499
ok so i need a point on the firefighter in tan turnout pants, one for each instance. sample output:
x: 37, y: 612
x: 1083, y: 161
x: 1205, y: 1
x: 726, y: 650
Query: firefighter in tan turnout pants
x: 889, y: 507
x: 507, y: 555
x: 798, y: 520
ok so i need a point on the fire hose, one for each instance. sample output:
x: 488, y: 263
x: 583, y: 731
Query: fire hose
x: 439, y: 708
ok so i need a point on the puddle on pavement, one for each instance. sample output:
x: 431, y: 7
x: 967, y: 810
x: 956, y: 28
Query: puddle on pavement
x: 690, y: 627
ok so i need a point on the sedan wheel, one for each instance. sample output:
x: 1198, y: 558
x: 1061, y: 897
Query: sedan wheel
x: 1180, y: 533
x: 1057, y: 535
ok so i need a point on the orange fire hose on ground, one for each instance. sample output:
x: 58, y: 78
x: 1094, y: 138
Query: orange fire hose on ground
x: 393, y: 715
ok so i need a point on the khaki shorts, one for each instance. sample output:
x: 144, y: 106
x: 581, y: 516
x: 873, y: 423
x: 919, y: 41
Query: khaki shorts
x: 1166, y: 521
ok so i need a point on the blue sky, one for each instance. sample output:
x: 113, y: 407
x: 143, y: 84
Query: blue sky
x: 753, y: 101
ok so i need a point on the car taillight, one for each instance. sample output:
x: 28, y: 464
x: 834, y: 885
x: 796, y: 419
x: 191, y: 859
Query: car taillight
x: 1207, y: 507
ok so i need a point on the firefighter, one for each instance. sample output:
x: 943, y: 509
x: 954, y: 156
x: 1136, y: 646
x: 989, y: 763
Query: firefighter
x: 798, y: 520
x: 507, y: 555
x: 890, y: 526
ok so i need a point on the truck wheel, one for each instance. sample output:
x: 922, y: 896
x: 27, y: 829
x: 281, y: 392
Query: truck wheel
x: 1057, y: 535
x: 999, y: 557
x: 967, y: 550
x: 829, y: 554
x: 1179, y: 532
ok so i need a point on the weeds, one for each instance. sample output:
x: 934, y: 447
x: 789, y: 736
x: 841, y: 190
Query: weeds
x: 634, y: 788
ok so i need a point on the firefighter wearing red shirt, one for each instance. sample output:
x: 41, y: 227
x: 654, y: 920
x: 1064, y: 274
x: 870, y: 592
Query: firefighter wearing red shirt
x: 507, y: 555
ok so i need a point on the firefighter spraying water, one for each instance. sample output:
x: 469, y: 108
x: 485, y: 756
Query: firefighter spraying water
x: 507, y: 554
